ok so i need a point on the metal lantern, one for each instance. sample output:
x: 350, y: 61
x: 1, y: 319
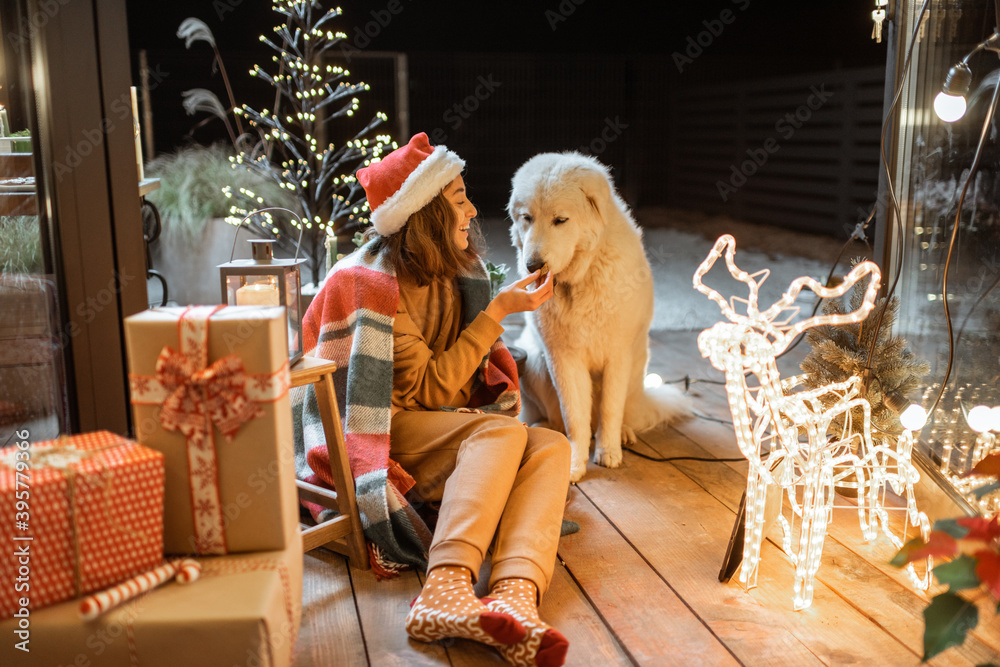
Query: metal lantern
x: 266, y: 281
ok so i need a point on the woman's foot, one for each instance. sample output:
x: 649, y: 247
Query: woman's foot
x: 447, y: 607
x: 544, y: 646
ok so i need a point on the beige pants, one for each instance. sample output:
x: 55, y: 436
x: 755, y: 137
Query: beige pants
x: 493, y: 476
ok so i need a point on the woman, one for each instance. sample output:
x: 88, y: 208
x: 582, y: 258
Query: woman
x: 417, y: 294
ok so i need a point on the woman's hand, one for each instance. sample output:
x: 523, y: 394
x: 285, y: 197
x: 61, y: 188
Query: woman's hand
x: 518, y: 298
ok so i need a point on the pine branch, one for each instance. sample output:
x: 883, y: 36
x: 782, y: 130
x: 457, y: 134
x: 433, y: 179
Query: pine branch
x: 839, y: 353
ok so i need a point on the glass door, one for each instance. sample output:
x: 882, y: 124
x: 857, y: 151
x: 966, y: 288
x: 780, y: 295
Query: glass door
x: 944, y: 246
x: 32, y: 365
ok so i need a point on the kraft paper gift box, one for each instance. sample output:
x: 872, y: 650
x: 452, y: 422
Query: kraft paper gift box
x: 244, y: 610
x: 80, y: 514
x: 209, y: 389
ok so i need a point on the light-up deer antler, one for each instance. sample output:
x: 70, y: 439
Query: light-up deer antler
x: 727, y: 243
x: 789, y: 297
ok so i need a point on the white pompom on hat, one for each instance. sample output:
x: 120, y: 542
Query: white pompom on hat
x: 406, y: 180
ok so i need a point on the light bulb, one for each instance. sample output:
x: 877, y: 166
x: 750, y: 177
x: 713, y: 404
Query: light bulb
x: 949, y: 108
x: 914, y: 417
x: 950, y: 102
x: 995, y: 418
x: 652, y: 380
x: 979, y: 419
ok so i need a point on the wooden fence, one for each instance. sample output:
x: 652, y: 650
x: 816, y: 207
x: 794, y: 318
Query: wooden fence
x: 800, y: 152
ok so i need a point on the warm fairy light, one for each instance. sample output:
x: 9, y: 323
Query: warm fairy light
x: 652, y: 380
x: 980, y: 419
x: 913, y: 417
x: 787, y: 435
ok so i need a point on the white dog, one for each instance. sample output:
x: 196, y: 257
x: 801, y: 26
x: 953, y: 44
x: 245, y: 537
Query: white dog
x: 587, y: 346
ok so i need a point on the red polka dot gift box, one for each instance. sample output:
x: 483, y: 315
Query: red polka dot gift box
x: 79, y: 514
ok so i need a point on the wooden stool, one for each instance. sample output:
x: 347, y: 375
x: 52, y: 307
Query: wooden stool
x: 343, y: 533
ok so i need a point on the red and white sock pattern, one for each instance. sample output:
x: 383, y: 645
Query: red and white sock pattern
x: 448, y: 607
x: 544, y: 646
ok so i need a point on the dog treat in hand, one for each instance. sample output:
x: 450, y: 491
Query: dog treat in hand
x: 542, y: 272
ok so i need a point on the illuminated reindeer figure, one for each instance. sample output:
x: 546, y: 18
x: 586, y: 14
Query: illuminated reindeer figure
x: 793, y: 430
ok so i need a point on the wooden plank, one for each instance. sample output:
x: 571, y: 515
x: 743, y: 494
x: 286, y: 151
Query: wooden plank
x: 13, y: 203
x: 330, y: 633
x: 682, y: 532
x: 325, y: 533
x: 308, y: 370
x: 567, y: 608
x: 382, y: 608
x: 876, y: 75
x: 619, y: 582
x: 853, y: 574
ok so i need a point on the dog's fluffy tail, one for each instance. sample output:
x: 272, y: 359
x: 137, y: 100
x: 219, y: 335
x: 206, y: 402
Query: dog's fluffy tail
x: 655, y: 406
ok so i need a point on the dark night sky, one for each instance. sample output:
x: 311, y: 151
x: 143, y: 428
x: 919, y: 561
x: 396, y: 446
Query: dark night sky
x: 822, y: 32
x: 763, y: 37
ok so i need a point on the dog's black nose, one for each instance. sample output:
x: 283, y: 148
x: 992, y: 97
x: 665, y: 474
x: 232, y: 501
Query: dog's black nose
x: 534, y: 264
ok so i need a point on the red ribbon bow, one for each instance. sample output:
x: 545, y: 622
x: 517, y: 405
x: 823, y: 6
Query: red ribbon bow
x: 198, y: 398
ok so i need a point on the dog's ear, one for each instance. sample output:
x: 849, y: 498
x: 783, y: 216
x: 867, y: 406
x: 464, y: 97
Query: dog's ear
x: 596, y: 188
x: 515, y: 232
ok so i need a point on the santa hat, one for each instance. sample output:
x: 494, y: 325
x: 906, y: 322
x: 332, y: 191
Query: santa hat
x: 406, y: 180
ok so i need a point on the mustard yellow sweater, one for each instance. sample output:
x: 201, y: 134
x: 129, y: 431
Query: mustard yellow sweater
x: 434, y: 359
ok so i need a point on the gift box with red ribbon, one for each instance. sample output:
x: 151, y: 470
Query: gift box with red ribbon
x: 244, y: 609
x: 209, y: 389
x: 80, y: 514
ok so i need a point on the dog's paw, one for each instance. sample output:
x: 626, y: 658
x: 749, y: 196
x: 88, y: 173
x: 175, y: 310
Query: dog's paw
x: 577, y: 469
x: 628, y: 436
x: 610, y: 457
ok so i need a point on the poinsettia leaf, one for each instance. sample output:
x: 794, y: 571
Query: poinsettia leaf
x: 958, y: 574
x: 981, y: 491
x: 947, y: 620
x: 902, y: 557
x: 938, y: 544
x: 990, y: 465
x: 988, y: 570
x: 952, y: 527
x: 980, y: 528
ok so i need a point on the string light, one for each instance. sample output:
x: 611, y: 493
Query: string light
x: 788, y: 438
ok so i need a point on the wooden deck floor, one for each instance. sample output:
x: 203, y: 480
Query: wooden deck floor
x: 638, y: 584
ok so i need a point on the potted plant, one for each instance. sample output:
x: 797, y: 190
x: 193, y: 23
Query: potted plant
x: 193, y: 206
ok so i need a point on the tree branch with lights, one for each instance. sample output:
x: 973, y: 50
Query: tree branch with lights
x: 312, y: 102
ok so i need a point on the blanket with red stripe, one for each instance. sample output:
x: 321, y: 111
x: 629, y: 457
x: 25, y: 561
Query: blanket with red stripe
x: 350, y: 322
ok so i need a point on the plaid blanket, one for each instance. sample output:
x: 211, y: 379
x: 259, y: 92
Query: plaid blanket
x: 350, y: 322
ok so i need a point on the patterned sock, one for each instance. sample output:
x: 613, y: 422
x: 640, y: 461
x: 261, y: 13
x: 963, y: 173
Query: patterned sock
x: 447, y: 607
x: 544, y: 646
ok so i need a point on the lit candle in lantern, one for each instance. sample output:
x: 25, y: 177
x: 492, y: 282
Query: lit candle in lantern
x: 258, y: 294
